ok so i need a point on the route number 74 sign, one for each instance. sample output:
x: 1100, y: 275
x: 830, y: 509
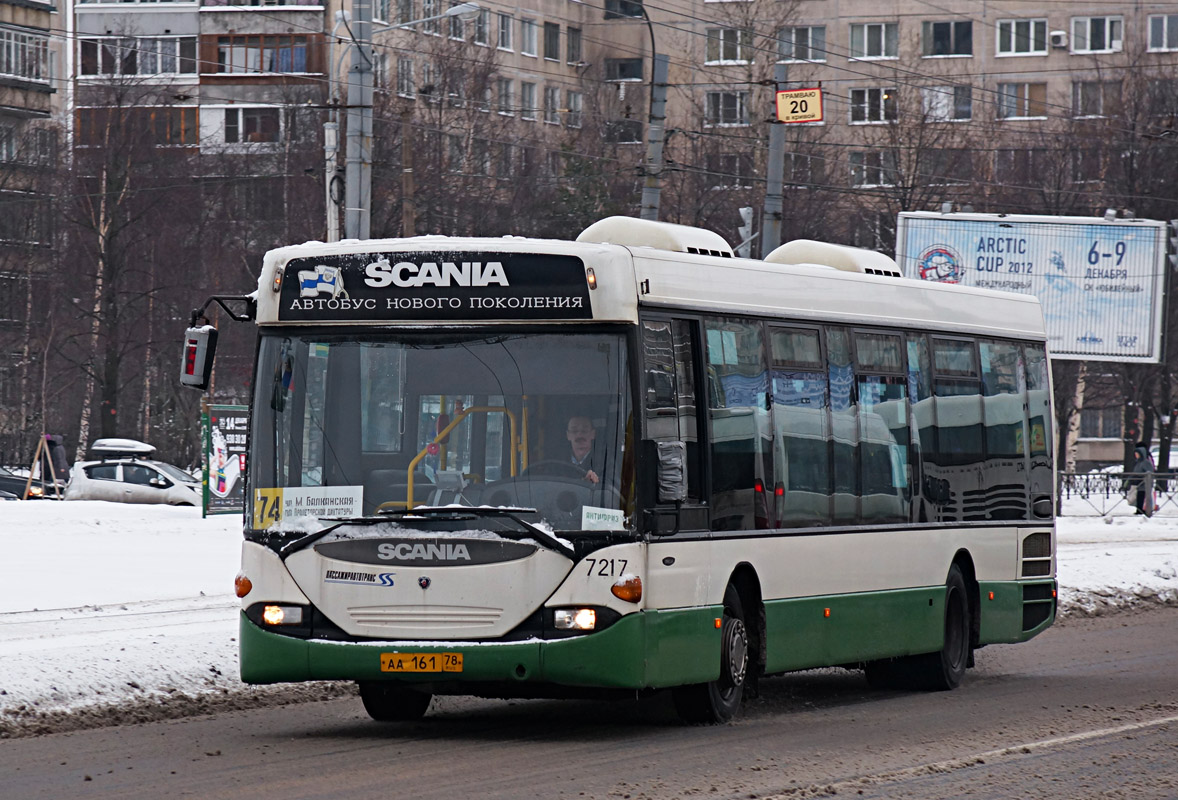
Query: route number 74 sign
x: 799, y: 105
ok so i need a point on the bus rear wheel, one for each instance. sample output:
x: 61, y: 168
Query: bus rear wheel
x: 718, y: 701
x: 388, y: 701
x: 939, y: 671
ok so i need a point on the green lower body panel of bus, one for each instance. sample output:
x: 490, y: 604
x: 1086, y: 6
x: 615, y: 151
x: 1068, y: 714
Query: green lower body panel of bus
x: 807, y: 632
x: 648, y: 649
x: 1015, y: 611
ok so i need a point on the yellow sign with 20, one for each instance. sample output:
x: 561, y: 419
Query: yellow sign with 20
x: 799, y: 105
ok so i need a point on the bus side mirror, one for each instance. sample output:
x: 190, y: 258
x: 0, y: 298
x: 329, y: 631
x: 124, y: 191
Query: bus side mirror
x: 200, y: 344
x: 672, y: 472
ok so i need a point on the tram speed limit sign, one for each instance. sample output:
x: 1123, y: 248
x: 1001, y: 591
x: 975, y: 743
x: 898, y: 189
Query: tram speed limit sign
x: 799, y: 105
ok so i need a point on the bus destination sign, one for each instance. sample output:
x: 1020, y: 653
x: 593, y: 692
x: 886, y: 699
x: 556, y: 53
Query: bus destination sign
x: 388, y: 287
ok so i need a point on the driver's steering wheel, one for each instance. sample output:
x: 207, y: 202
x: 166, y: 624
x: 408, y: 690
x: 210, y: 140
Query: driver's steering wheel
x: 556, y: 469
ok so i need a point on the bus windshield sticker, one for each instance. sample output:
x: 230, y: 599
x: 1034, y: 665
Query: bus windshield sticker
x: 602, y: 519
x: 434, y: 286
x: 304, y: 504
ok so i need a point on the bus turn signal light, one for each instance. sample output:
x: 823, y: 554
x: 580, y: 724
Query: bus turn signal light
x: 628, y: 588
x: 242, y: 585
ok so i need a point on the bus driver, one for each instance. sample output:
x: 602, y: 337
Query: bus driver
x: 581, y: 436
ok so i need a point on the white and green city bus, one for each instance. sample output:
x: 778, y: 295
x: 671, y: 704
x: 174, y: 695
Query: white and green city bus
x: 799, y: 462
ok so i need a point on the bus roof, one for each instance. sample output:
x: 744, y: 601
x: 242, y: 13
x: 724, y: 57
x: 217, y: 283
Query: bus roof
x: 461, y: 280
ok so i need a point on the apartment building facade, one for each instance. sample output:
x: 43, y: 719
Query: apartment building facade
x: 27, y: 149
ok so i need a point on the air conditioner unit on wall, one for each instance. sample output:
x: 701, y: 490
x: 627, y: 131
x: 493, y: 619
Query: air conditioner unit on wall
x: 1058, y: 38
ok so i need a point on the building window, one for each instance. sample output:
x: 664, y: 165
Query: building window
x: 405, y: 85
x: 1086, y: 165
x: 25, y: 218
x: 803, y: 169
x: 944, y: 103
x: 262, y: 54
x: 1096, y: 98
x: 623, y: 131
x: 7, y: 143
x: 728, y: 46
x: 503, y: 91
x: 727, y: 108
x: 456, y: 153
x: 457, y: 24
x: 173, y: 55
x: 873, y: 168
x: 875, y: 40
x: 873, y: 105
x: 405, y: 11
x: 482, y: 26
x: 505, y: 163
x: 573, y: 104
x: 623, y: 69
x: 730, y: 170
x: 947, y: 166
x: 505, y: 22
x: 527, y: 37
x: 1162, y: 97
x: 947, y: 38
x: 429, y: 12
x: 164, y: 125
x: 1096, y: 34
x: 251, y: 125
x: 616, y: 9
x: 1022, y: 37
x: 1017, y: 100
x: 802, y: 44
x: 552, y: 105
x: 1021, y: 166
x: 552, y: 41
x: 1101, y: 423
x: 24, y: 55
x: 1163, y: 33
x: 527, y: 100
x: 573, y: 45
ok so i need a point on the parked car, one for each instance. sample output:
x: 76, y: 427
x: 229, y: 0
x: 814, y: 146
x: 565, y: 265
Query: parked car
x: 11, y: 482
x: 7, y: 496
x: 124, y: 474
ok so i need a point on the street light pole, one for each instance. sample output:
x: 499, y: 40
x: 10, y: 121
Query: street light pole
x: 358, y: 175
x: 653, y: 166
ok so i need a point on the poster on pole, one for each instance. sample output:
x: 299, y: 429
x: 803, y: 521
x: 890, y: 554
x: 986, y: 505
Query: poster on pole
x: 225, y: 429
x: 1101, y: 281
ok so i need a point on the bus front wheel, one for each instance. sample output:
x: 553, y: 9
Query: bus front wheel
x: 718, y: 701
x: 388, y: 701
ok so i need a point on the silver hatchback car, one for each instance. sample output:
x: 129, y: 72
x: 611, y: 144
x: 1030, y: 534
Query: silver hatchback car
x: 124, y: 475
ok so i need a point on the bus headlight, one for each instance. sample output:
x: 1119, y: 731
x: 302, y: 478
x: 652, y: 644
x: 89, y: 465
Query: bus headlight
x: 282, y: 615
x: 574, y: 619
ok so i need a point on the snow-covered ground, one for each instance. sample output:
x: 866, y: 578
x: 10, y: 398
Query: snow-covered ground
x: 110, y: 610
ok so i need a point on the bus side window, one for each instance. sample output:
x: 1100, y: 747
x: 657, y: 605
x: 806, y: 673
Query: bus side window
x: 670, y: 406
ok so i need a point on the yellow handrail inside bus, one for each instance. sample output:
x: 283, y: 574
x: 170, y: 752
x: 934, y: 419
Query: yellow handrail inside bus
x: 409, y: 502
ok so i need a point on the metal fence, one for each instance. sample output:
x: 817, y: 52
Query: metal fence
x: 1107, y: 493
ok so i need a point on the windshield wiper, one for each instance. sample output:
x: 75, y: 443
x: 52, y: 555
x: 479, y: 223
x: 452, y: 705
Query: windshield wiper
x: 511, y: 525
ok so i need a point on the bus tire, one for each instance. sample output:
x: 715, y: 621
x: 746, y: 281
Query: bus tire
x: 939, y: 671
x: 389, y: 701
x: 718, y: 701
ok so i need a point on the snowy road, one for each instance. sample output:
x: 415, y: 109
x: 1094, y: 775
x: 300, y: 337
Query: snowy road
x: 104, y: 604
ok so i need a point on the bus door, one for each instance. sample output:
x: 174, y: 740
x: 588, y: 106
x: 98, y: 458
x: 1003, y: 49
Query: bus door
x: 671, y: 494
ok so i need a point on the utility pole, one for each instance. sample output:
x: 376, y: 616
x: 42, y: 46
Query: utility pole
x: 330, y: 152
x: 408, y: 209
x: 771, y: 219
x: 652, y: 187
x: 358, y: 175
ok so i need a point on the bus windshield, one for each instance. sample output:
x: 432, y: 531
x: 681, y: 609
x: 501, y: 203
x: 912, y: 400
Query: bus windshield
x: 348, y: 425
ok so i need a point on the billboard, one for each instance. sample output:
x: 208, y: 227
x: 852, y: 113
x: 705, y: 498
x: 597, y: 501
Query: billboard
x: 1101, y: 282
x: 225, y: 430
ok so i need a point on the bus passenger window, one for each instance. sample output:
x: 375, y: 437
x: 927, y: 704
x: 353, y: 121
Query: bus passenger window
x: 801, y: 463
x: 844, y: 417
x: 741, y: 441
x: 1004, y: 401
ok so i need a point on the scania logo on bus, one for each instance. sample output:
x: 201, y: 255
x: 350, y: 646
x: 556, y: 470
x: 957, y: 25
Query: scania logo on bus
x: 406, y: 274
x: 404, y: 551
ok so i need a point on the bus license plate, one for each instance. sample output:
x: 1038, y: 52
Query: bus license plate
x: 421, y: 662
